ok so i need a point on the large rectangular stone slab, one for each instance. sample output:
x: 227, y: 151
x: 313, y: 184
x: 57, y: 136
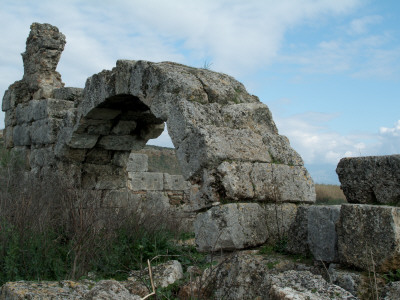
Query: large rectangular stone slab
x: 53, y: 108
x: 371, y: 179
x: 322, y: 237
x: 230, y: 227
x: 21, y: 135
x: 369, y: 235
x: 175, y: 183
x: 45, y: 131
x: 137, y: 162
x: 145, y: 181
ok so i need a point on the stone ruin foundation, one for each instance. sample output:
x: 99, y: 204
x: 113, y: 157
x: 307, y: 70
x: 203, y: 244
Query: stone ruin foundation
x: 248, y: 183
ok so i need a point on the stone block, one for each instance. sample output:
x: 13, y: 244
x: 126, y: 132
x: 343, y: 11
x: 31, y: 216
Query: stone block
x: 120, y: 158
x: 83, y: 141
x: 298, y: 233
x: 137, y: 162
x: 279, y: 218
x: 144, y: 181
x: 42, y: 157
x: 109, y: 182
x: 50, y: 108
x: 369, y: 235
x: 23, y: 113
x: 230, y: 227
x: 6, y: 104
x: 371, y: 179
x: 322, y: 237
x: 175, y: 183
x: 121, y: 142
x: 21, y: 135
x: 124, y: 127
x: 68, y: 93
x: 266, y: 182
x: 45, y: 131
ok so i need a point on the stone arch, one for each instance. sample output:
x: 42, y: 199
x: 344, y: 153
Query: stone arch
x: 225, y: 138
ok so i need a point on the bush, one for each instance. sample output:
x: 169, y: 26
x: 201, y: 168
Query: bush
x: 51, y: 230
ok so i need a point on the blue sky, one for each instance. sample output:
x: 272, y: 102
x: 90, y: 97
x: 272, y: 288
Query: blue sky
x: 328, y: 70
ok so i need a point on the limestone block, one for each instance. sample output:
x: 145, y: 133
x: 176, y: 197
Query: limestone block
x: 144, y: 181
x: 120, y: 158
x: 9, y: 119
x: 83, y: 141
x: 68, y: 93
x: 391, y: 291
x: 6, y: 104
x: 21, y: 135
x: 371, y: 179
x: 175, y: 183
x: 236, y: 180
x: 369, y: 234
x: 109, y: 182
x: 322, y: 237
x: 102, y: 114
x: 45, y: 131
x: 124, y: 127
x: 137, y: 162
x: 280, y: 150
x: 230, y: 227
x: 279, y: 218
x: 304, y: 285
x: 23, y: 113
x: 91, y: 126
x: 66, y: 289
x: 266, y: 182
x: 53, y: 108
x: 41, y: 157
x: 164, y: 274
x: 298, y: 233
x: 121, y: 142
x: 8, y: 136
x: 110, y: 289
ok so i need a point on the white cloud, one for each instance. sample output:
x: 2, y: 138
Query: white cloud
x: 360, y: 26
x: 310, y: 135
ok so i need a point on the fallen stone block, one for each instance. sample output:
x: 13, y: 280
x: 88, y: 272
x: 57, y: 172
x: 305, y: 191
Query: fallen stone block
x: 230, y: 227
x: 304, y: 285
x: 371, y: 179
x: 369, y: 237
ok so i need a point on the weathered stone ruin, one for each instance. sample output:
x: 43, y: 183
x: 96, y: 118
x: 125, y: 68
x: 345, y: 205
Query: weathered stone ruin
x: 241, y: 180
x: 226, y: 142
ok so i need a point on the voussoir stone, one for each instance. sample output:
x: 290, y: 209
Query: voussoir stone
x: 230, y: 226
x: 371, y: 179
x: 369, y: 237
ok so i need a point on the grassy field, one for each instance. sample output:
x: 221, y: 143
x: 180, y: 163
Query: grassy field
x: 329, y: 194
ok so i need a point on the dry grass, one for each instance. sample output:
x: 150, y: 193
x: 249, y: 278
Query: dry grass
x: 329, y: 194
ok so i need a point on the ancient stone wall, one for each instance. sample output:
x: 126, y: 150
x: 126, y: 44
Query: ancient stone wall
x: 226, y: 142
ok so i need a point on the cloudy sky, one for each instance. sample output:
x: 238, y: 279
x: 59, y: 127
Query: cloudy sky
x: 328, y: 70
